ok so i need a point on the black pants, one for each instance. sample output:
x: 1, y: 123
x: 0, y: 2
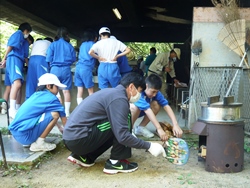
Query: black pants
x: 96, y: 143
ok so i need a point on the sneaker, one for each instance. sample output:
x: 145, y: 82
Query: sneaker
x: 4, y: 108
x: 120, y: 166
x: 140, y: 130
x: 43, y: 146
x: 80, y: 160
x: 3, y: 111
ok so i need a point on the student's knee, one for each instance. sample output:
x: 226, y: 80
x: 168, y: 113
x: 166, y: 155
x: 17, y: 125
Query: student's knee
x: 155, y: 106
x: 134, y: 109
x: 17, y: 84
x: 66, y: 92
x: 55, y: 115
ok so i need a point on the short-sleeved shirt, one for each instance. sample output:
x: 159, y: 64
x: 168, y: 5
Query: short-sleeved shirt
x: 84, y: 58
x: 123, y: 64
x: 40, y: 48
x: 31, y: 110
x: 144, y: 102
x: 108, y: 48
x: 18, y: 44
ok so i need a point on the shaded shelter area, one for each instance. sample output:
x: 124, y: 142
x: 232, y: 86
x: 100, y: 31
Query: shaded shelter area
x: 142, y: 21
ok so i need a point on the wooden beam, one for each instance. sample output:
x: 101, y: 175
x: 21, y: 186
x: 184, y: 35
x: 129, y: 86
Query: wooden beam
x: 164, y: 18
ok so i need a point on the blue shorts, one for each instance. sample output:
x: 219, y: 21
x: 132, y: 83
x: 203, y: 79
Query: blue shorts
x: 7, y: 80
x: 108, y: 74
x: 37, y: 67
x: 64, y: 75
x: 31, y: 135
x: 14, y: 70
x: 142, y: 113
x: 84, y: 77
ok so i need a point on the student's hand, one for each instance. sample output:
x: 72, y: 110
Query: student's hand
x: 156, y: 149
x: 101, y: 59
x: 177, y: 131
x: 115, y: 58
x: 60, y: 127
x: 167, y: 69
x: 162, y: 135
x: 3, y: 64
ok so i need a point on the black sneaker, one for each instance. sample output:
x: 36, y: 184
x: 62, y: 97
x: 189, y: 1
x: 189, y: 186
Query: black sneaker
x: 80, y: 160
x: 120, y: 166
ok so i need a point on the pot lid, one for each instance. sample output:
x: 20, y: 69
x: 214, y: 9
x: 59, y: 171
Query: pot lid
x: 213, y: 101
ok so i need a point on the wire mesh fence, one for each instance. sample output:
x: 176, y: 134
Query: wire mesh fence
x: 245, y: 111
x: 212, y: 81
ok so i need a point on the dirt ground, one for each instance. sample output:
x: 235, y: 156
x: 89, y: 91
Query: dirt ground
x: 56, y: 171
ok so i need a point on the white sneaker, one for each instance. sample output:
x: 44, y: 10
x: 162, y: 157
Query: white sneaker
x: 42, y: 146
x: 140, y: 130
x: 4, y: 108
x: 12, y: 113
x: 3, y: 111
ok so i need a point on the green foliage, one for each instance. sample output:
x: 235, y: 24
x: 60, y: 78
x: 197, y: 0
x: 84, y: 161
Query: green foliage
x: 7, y: 29
x: 142, y: 48
x: 247, y: 148
x: 13, y: 169
x: 4, y: 130
x: 138, y: 48
x: 186, y: 178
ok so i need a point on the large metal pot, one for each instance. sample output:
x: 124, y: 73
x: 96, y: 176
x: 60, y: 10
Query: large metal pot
x: 228, y: 111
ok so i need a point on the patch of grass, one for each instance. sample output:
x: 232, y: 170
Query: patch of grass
x: 247, y: 146
x: 186, y: 178
x: 13, y: 169
x: 192, y: 143
x: 4, y: 130
x: 247, y: 143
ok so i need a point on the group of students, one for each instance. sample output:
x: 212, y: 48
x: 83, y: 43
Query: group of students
x: 102, y: 120
x: 46, y: 56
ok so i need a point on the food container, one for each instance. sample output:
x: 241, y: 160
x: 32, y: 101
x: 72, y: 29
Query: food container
x: 225, y: 111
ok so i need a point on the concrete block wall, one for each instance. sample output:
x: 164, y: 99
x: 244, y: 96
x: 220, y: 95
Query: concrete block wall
x: 206, y: 27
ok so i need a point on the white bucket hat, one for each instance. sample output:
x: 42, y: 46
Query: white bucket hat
x: 178, y: 52
x: 49, y: 78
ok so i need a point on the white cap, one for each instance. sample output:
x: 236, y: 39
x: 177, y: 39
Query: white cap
x: 49, y: 78
x: 178, y: 52
x: 104, y: 30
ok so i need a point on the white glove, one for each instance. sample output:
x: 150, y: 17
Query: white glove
x: 156, y: 149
